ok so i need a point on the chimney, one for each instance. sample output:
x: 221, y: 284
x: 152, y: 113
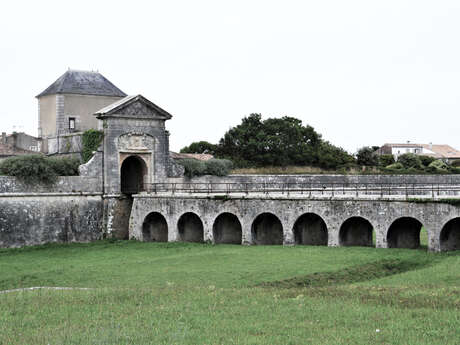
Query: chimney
x: 431, y: 146
x: 15, y: 138
x: 3, y: 137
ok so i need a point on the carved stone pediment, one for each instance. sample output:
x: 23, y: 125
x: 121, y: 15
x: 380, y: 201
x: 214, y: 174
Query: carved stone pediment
x: 138, y: 109
x: 133, y: 142
x: 134, y: 107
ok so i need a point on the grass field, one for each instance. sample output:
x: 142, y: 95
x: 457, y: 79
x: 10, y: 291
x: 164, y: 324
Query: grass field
x: 174, y: 293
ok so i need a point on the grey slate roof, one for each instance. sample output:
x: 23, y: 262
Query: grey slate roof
x: 83, y: 83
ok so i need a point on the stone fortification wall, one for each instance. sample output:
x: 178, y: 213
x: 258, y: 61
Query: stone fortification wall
x: 65, y: 184
x: 69, y: 211
x: 339, y: 179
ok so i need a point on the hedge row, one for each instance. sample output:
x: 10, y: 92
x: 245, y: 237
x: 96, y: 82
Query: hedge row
x: 36, y: 169
x: 217, y: 167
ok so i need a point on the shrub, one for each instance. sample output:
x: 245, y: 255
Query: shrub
x: 36, y: 169
x: 426, y: 160
x: 29, y: 169
x: 366, y: 156
x: 410, y: 160
x: 455, y: 163
x: 90, y: 140
x: 438, y: 166
x: 395, y: 166
x: 218, y: 167
x: 386, y: 160
x: 64, y: 166
x: 193, y: 167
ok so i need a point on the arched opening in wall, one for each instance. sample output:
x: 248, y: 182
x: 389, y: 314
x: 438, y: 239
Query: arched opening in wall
x: 356, y: 231
x: 267, y: 229
x: 133, y: 170
x: 155, y: 228
x: 310, y: 229
x: 227, y: 229
x: 190, y: 228
x: 404, y: 233
x: 450, y: 235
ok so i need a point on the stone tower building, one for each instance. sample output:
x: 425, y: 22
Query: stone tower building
x: 67, y: 106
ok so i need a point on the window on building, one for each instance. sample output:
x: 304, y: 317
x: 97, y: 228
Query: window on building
x: 72, y: 123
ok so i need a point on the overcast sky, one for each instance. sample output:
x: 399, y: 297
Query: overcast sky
x: 359, y: 72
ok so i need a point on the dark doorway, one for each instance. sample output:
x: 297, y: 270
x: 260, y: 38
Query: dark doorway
x: 133, y: 170
x: 155, y: 228
x: 267, y: 229
x: 227, y: 229
x: 310, y: 229
x: 450, y: 235
x: 404, y: 233
x: 356, y: 231
x: 190, y: 228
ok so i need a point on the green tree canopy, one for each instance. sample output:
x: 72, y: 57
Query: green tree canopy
x: 367, y: 156
x: 199, y: 147
x: 278, y: 142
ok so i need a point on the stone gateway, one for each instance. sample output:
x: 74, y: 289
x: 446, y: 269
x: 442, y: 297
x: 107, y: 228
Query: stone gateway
x: 131, y: 188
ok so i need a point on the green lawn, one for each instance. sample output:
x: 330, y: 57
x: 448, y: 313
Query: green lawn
x: 173, y: 293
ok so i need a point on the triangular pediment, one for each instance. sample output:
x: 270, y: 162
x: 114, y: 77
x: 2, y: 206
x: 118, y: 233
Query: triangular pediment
x: 134, y: 107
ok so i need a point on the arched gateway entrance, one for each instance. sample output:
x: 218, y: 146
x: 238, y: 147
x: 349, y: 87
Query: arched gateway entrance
x: 133, y: 170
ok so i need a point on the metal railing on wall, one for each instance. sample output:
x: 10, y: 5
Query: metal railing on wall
x: 309, y: 189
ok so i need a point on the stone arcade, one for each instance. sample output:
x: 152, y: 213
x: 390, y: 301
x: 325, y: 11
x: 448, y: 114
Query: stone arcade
x: 131, y: 188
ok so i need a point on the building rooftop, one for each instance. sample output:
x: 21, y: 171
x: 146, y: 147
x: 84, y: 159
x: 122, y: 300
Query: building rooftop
x: 83, y: 83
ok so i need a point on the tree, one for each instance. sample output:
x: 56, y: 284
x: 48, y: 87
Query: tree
x: 278, y: 142
x: 410, y: 160
x: 366, y: 156
x: 200, y: 147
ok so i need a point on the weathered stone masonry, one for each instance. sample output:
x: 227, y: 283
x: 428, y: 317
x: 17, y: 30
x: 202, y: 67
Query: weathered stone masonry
x: 109, y: 199
x: 70, y: 211
x: 381, y: 214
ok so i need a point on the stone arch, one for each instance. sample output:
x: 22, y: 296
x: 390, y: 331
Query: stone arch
x: 449, y: 237
x: 227, y: 229
x: 356, y: 231
x: 404, y: 232
x: 310, y: 229
x: 132, y: 174
x: 155, y: 228
x: 267, y: 229
x: 190, y: 228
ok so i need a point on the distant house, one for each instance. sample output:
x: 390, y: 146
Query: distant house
x: 10, y: 145
x: 67, y: 106
x: 198, y: 156
x: 21, y: 140
x: 444, y: 152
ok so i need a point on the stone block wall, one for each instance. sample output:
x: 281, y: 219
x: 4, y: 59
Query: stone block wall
x: 69, y: 211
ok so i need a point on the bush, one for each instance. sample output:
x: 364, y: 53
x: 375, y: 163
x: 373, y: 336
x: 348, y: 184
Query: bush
x: 64, y: 166
x: 36, y: 169
x: 366, y: 156
x: 386, y: 160
x: 193, y: 167
x: 455, y: 163
x: 426, y: 160
x: 410, y: 160
x: 29, y: 169
x: 90, y: 140
x: 395, y: 166
x: 218, y: 167
x: 438, y: 166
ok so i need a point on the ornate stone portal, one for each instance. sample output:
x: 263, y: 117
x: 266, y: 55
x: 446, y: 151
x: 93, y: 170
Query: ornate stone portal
x: 135, y: 153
